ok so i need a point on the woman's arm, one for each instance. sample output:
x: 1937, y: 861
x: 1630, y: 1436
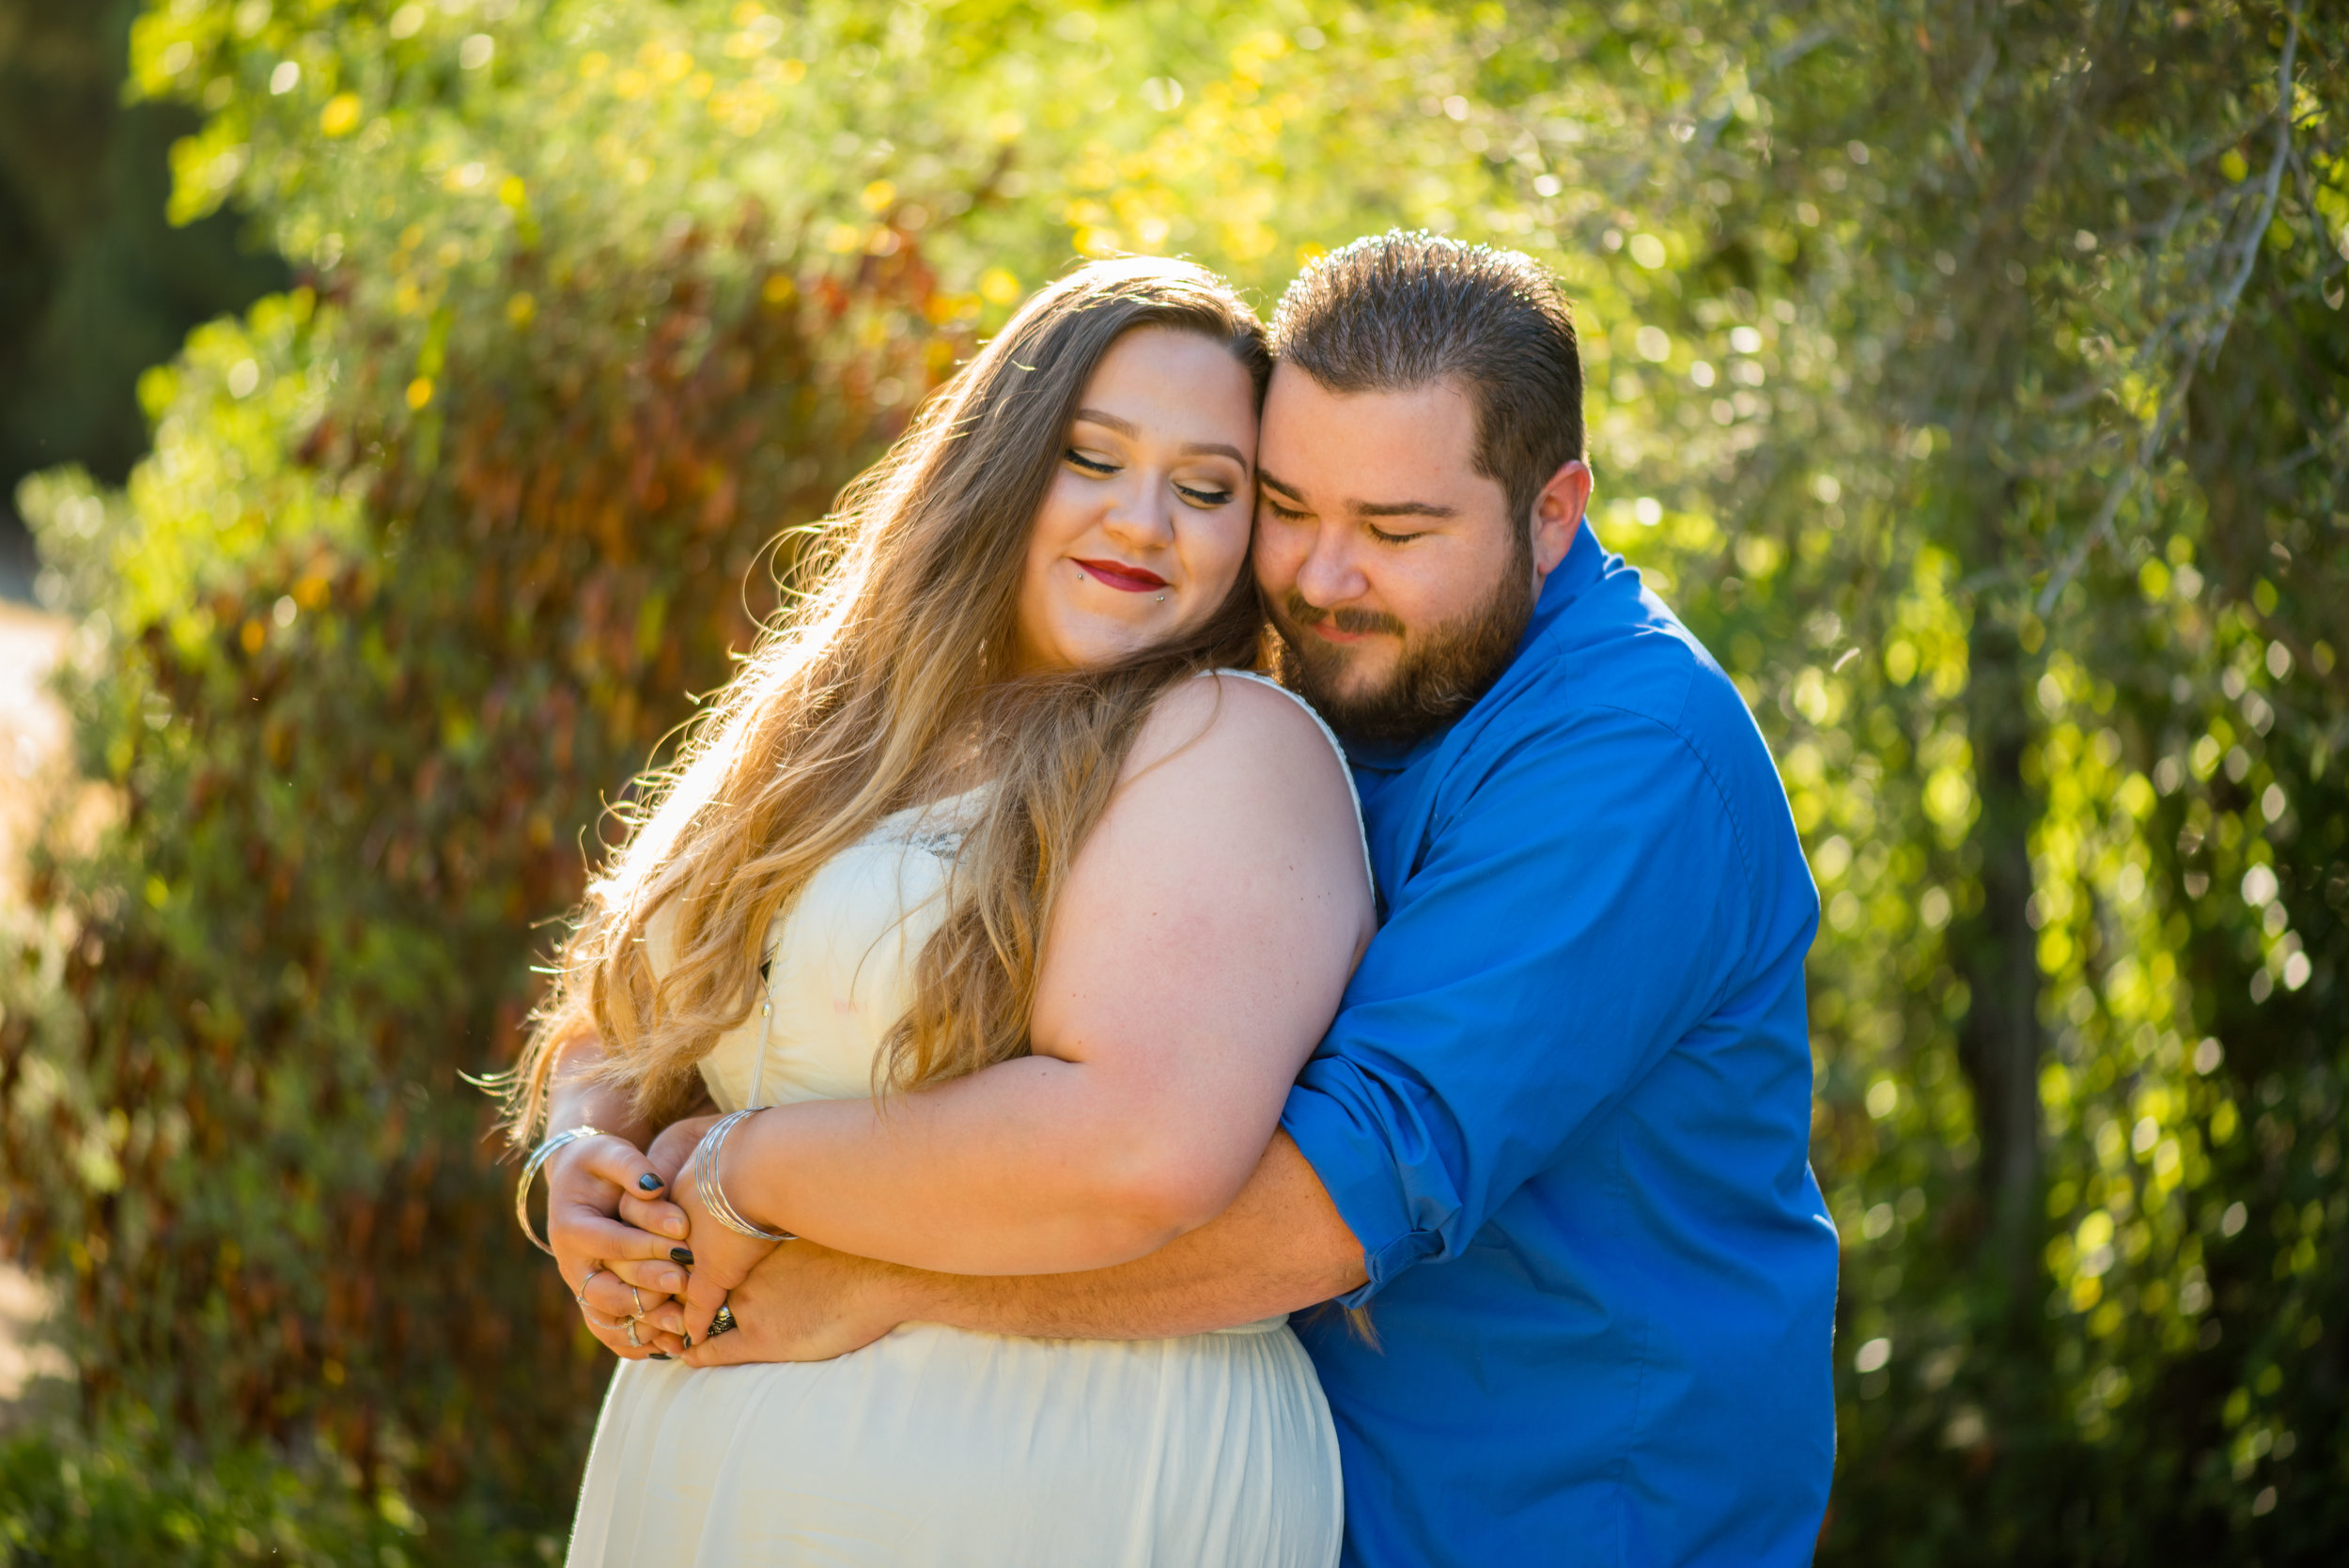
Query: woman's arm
x: 1279, y: 1246
x: 1199, y: 950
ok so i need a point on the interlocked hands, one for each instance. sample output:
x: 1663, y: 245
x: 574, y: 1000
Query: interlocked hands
x: 648, y: 1265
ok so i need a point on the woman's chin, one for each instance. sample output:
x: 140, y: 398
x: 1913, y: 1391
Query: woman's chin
x: 1101, y: 641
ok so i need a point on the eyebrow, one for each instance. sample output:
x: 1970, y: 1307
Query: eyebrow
x: 1264, y: 478
x: 1364, y: 509
x: 1127, y: 427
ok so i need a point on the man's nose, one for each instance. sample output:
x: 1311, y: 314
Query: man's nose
x: 1328, y: 575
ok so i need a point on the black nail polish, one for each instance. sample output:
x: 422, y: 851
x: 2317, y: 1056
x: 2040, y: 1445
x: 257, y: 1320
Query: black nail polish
x: 681, y: 1254
x: 658, y: 1356
x: 649, y: 1182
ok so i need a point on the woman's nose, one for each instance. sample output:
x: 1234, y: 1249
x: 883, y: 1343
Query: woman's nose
x: 1141, y: 515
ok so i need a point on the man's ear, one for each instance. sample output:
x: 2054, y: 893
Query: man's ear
x: 1558, y: 513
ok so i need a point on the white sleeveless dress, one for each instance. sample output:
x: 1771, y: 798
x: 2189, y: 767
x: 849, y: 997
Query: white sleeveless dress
x: 933, y: 1447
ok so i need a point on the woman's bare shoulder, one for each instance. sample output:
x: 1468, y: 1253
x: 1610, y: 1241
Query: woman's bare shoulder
x: 1225, y: 723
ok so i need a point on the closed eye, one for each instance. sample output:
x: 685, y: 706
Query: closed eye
x: 1385, y: 538
x: 1204, y: 498
x: 1286, y: 514
x: 1088, y: 465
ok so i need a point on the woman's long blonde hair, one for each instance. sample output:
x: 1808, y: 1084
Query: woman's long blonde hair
x: 889, y: 681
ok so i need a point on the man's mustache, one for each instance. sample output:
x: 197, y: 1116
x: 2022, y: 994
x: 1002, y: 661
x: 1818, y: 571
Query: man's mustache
x: 1352, y: 622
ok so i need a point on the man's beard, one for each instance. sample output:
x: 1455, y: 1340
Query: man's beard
x: 1439, y: 677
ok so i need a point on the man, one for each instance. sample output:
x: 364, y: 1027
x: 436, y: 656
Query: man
x: 1555, y: 1143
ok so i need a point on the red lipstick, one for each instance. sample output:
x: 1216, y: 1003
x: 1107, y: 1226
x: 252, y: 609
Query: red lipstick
x: 1124, y: 579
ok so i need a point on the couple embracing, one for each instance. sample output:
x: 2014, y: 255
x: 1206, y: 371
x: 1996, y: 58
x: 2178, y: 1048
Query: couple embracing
x: 1035, y: 1091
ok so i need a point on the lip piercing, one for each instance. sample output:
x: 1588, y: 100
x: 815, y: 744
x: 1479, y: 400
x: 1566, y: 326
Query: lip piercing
x: 1081, y: 572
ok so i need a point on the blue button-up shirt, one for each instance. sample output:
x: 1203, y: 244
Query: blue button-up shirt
x: 1566, y: 1109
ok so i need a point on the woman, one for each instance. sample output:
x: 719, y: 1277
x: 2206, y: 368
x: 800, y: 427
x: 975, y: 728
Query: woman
x: 970, y: 826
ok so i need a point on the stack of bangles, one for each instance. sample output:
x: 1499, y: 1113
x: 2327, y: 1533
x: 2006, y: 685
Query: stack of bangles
x: 712, y: 1192
x: 711, y: 1189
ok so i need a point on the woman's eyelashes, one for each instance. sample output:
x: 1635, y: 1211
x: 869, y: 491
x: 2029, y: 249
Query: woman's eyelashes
x: 1204, y: 497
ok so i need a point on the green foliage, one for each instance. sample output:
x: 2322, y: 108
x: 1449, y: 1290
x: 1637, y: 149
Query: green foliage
x: 357, y: 730
x: 95, y: 285
x: 2061, y: 713
x: 1970, y: 377
x: 126, y: 1496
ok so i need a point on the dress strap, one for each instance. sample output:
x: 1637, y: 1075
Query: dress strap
x: 1345, y: 767
x: 766, y: 1016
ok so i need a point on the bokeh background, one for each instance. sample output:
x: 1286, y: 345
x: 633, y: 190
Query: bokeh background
x: 411, y: 393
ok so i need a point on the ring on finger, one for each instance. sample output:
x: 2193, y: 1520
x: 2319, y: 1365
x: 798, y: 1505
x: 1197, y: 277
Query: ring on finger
x: 640, y: 1299
x: 632, y: 1334
x: 581, y: 1294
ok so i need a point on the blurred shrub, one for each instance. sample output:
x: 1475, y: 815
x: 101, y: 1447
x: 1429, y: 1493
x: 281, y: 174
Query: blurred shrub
x: 95, y: 284
x: 365, y: 644
x: 357, y: 712
x: 125, y: 1497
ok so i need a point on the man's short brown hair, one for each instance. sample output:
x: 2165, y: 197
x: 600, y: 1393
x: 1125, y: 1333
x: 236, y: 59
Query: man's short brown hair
x: 1395, y: 311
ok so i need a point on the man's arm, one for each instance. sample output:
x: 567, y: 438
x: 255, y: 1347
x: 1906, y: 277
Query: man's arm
x: 1583, y: 904
x: 1196, y: 954
x: 1278, y: 1247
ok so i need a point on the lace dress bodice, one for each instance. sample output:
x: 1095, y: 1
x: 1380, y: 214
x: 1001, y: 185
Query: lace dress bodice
x: 840, y: 965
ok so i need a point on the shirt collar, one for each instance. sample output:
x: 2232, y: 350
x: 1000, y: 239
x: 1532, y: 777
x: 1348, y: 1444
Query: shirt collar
x: 1585, y: 561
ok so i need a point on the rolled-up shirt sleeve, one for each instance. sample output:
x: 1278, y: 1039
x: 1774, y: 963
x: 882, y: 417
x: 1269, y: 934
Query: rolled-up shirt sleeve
x: 1577, y: 909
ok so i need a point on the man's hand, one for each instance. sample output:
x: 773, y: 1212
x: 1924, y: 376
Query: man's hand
x: 808, y: 1303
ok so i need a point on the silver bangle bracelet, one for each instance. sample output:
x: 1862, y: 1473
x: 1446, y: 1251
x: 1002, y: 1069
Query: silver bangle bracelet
x: 539, y: 1157
x: 711, y: 1189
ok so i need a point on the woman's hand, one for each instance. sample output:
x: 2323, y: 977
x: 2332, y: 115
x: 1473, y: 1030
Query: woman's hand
x: 666, y: 1153
x: 627, y: 1269
x: 651, y: 1211
x: 723, y: 1258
